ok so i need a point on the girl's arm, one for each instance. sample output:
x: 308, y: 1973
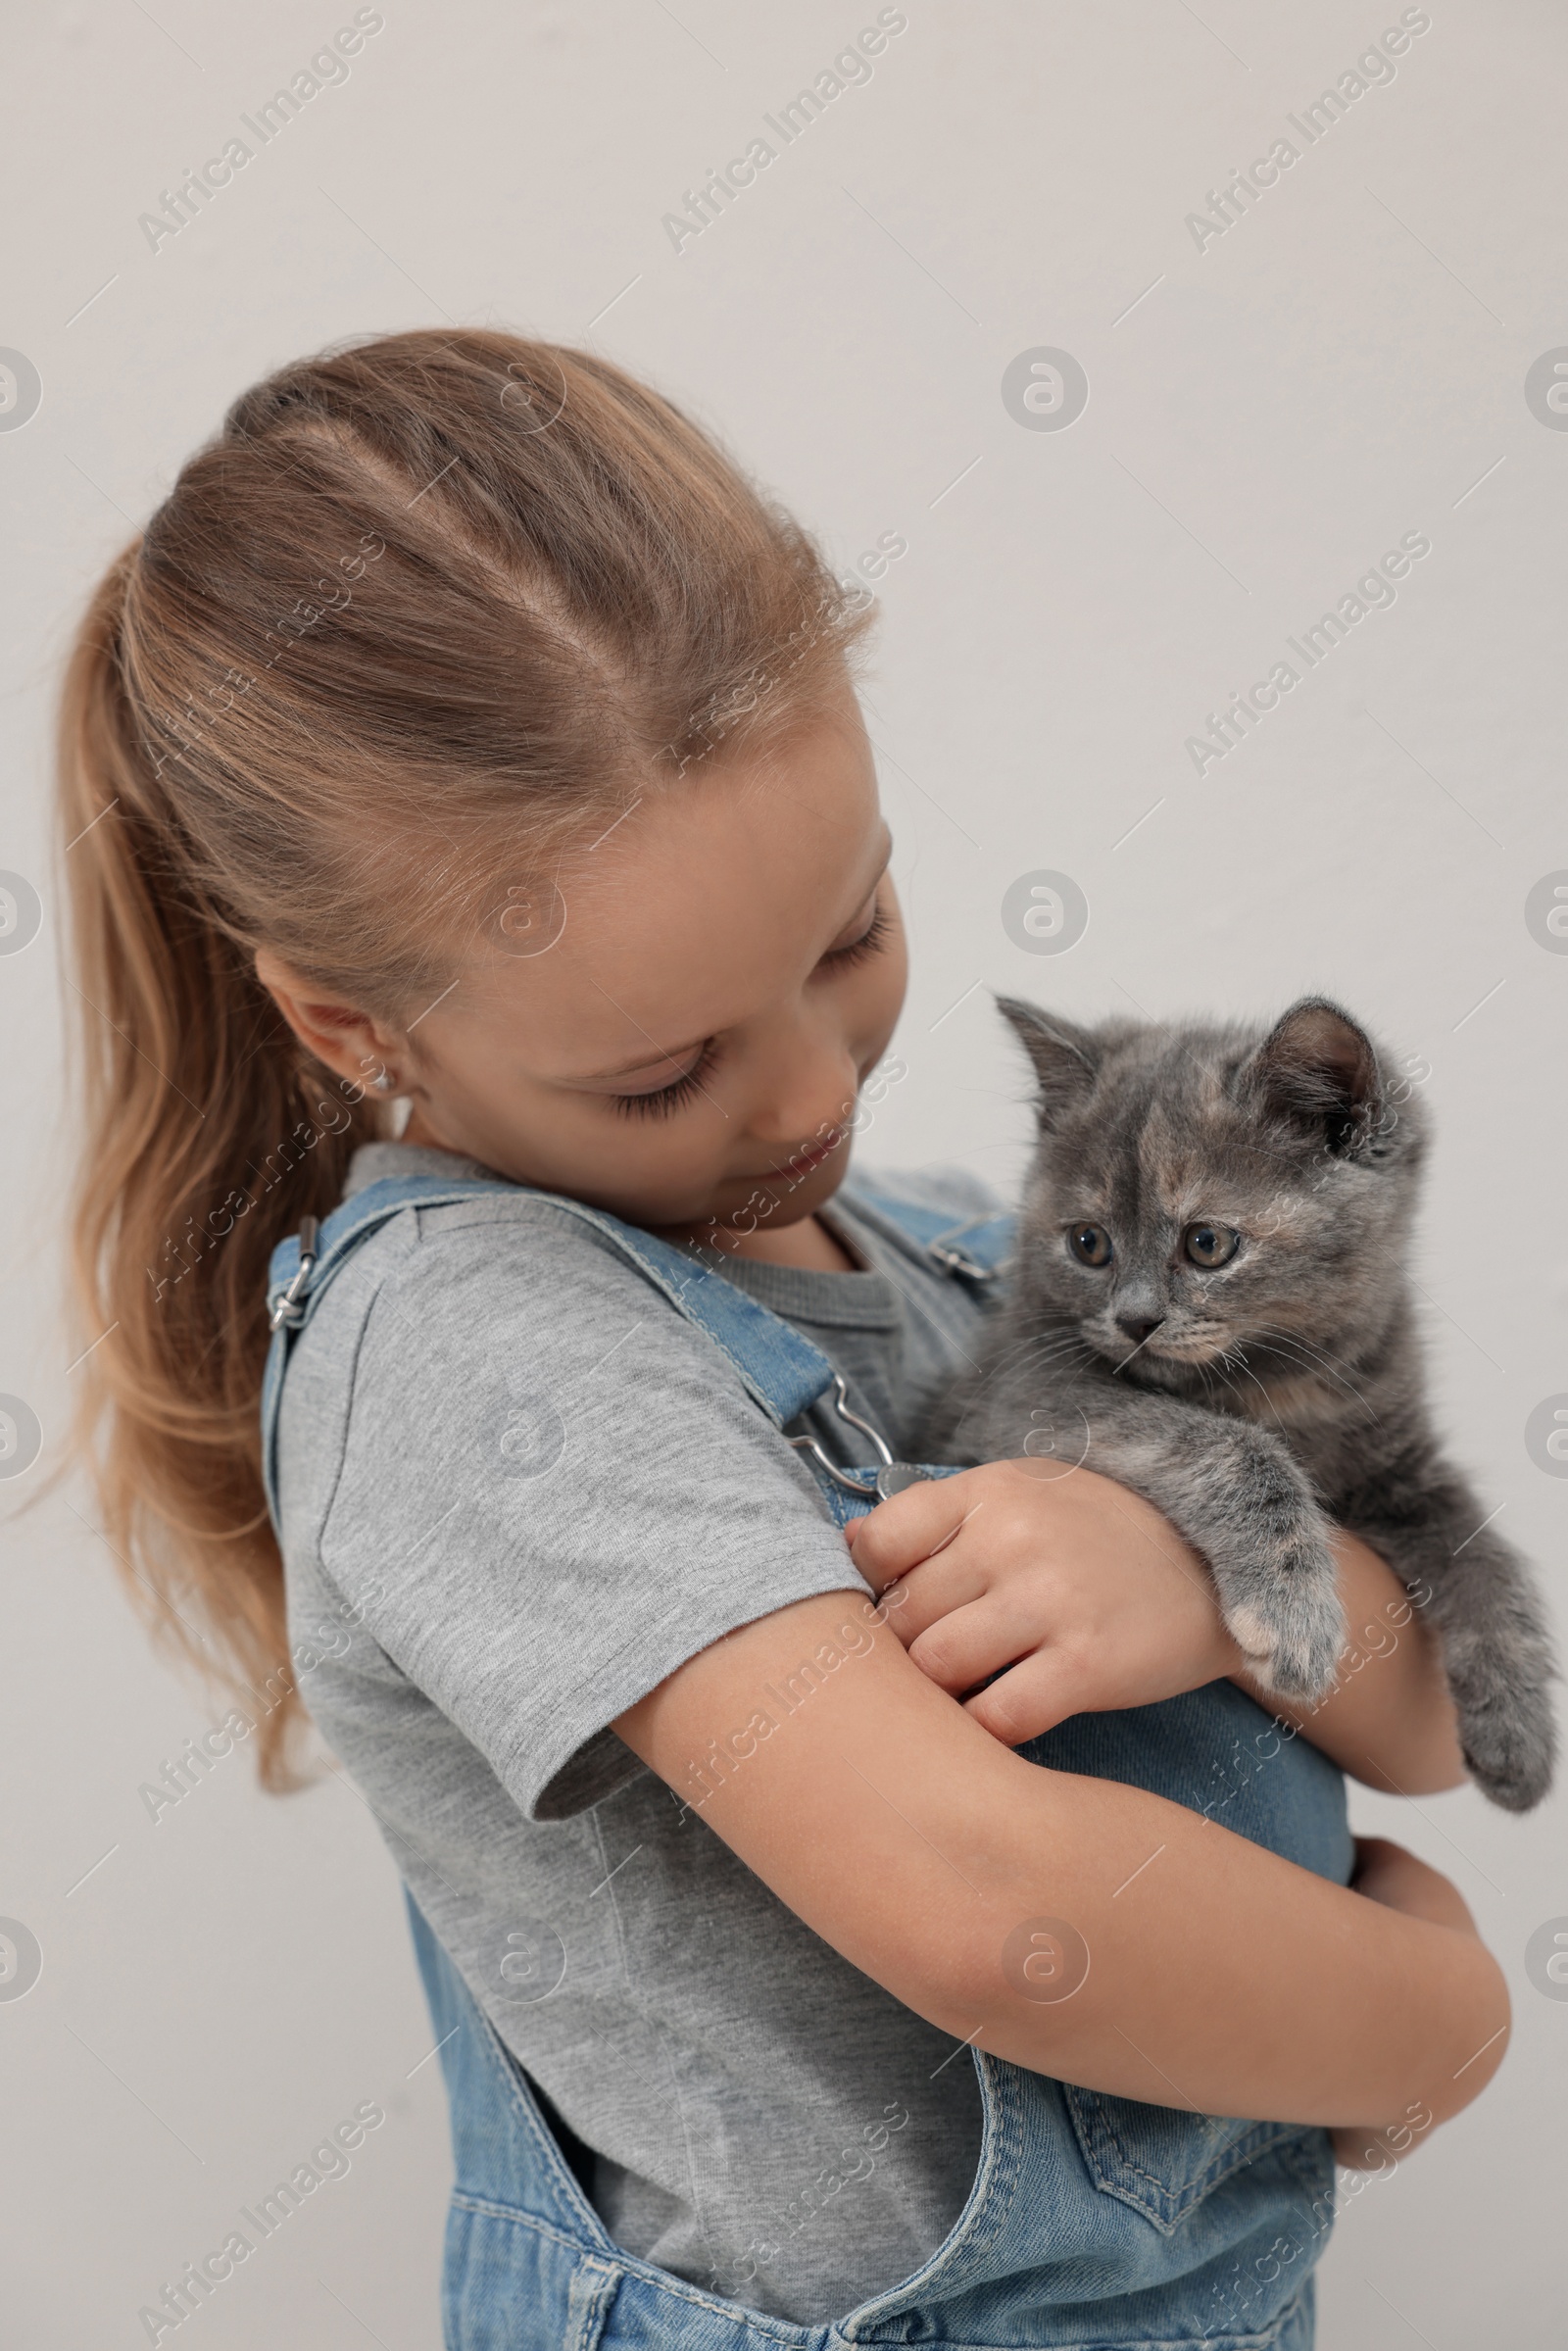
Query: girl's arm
x: 1092, y: 1599
x: 966, y: 1880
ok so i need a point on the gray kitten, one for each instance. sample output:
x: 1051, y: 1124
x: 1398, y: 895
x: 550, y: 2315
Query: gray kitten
x: 1210, y: 1305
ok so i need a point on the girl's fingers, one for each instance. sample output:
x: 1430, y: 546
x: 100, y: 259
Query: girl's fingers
x: 1039, y: 1692
x: 968, y: 1643
x: 927, y: 1594
x: 910, y: 1527
x: 1357, y: 2149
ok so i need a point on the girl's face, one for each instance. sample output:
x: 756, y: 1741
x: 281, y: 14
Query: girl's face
x: 688, y: 1053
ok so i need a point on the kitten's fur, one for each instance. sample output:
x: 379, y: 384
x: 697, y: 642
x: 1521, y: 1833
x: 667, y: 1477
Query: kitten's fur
x: 1273, y: 1394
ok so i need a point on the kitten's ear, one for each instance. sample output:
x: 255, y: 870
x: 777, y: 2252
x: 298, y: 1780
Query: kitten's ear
x: 1318, y: 1070
x: 1067, y: 1059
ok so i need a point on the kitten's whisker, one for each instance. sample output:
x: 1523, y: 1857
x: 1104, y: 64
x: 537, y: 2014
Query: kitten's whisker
x: 1042, y: 1350
x: 1274, y: 1341
x: 1052, y: 1335
x: 1239, y: 1358
x: 1138, y: 1350
x: 1061, y: 1345
x: 1304, y: 1367
x: 1320, y: 1354
x: 1051, y: 1355
x: 1211, y: 1371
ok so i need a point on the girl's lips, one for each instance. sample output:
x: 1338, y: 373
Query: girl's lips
x: 800, y: 1162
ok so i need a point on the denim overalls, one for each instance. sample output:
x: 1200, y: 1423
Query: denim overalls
x: 1094, y: 2222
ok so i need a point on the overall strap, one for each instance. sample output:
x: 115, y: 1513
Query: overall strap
x: 779, y: 1367
x: 782, y: 1371
x: 977, y: 1249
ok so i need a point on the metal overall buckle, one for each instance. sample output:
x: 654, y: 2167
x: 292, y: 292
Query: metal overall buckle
x: 290, y: 1308
x: 892, y: 1476
x: 953, y: 1260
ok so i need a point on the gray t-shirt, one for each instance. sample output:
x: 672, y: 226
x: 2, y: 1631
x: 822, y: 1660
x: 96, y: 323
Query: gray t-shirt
x: 518, y: 1490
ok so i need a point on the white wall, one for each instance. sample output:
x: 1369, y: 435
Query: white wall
x: 1345, y: 365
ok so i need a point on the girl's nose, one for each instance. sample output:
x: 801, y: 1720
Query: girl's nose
x: 817, y: 1086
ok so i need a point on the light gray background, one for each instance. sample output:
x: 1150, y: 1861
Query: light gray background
x: 1343, y: 365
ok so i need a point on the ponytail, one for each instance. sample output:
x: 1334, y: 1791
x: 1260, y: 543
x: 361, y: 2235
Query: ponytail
x: 207, y: 1135
x: 426, y: 606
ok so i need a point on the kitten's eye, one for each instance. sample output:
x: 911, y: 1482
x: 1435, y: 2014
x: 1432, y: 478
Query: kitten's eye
x: 1089, y: 1243
x: 1210, y: 1244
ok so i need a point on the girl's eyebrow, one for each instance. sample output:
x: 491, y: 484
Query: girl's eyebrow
x: 676, y: 1052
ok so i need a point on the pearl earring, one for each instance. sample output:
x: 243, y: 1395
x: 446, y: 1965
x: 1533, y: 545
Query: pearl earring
x: 383, y: 1081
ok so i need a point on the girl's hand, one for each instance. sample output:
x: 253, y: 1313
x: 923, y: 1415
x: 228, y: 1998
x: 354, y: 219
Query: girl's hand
x: 1386, y: 1873
x: 1071, y: 1589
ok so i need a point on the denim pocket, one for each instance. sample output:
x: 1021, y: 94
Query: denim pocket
x: 1158, y: 2159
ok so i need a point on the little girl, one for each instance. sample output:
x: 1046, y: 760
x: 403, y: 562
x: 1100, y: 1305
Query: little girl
x: 922, y: 1936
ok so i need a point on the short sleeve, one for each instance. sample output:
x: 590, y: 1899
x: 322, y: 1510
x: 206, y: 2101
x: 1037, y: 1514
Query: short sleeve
x: 552, y: 1492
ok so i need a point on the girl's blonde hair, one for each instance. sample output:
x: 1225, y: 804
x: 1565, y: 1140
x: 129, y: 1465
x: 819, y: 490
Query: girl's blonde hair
x: 426, y: 607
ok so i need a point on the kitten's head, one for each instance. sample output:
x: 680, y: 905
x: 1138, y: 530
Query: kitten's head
x: 1208, y: 1193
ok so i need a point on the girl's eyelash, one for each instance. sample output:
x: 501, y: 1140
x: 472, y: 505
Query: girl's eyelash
x: 870, y: 942
x: 668, y: 1098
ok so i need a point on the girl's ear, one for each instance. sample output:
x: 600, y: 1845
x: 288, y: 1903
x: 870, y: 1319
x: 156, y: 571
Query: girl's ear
x: 347, y: 1039
x: 1065, y: 1058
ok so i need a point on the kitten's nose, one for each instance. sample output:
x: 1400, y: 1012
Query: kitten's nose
x: 1139, y: 1327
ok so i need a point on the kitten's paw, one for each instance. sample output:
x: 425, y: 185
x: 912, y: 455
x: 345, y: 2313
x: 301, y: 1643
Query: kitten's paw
x: 1294, y: 1631
x: 1510, y: 1744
